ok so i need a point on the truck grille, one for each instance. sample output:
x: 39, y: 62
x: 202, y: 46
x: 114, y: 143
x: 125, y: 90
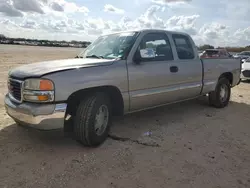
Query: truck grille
x: 15, y: 88
x: 246, y: 73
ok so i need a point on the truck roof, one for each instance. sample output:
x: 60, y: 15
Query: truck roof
x: 151, y: 30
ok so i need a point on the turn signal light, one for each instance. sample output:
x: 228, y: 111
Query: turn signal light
x: 46, y: 85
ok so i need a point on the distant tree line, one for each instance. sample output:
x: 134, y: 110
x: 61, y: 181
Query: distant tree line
x: 229, y: 49
x: 36, y: 42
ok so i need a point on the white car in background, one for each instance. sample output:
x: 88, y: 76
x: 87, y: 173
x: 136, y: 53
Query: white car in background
x: 242, y: 55
x: 245, y: 71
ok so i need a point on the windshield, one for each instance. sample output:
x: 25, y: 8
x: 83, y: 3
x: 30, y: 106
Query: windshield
x: 244, y: 53
x: 247, y: 60
x: 110, y: 46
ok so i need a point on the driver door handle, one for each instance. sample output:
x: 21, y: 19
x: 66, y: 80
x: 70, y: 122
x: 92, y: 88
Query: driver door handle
x: 174, y: 69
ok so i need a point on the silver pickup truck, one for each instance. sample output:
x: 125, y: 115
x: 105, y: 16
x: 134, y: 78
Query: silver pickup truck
x: 117, y: 74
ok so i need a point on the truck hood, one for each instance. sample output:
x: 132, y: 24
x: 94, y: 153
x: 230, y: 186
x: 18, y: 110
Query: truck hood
x: 41, y: 68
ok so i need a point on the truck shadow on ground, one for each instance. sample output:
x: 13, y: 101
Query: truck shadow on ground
x: 133, y: 127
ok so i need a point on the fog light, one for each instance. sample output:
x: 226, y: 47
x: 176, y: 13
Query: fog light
x: 38, y: 96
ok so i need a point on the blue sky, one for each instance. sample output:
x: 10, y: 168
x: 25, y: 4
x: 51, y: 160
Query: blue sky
x: 217, y: 22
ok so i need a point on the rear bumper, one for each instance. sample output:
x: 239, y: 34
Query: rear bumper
x: 39, y: 116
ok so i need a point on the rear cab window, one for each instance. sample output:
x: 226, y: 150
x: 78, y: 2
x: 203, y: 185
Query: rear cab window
x: 183, y: 46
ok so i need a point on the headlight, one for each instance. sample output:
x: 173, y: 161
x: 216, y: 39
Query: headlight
x: 39, y: 85
x: 38, y: 90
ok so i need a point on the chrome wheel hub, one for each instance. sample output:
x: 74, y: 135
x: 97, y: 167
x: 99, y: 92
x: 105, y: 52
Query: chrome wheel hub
x: 101, y: 119
x: 223, y: 93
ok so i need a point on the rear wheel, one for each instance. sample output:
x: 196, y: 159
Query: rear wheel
x: 221, y: 96
x: 93, y: 119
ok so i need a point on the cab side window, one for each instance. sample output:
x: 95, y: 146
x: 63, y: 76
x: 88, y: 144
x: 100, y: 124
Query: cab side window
x: 183, y: 46
x: 160, y: 44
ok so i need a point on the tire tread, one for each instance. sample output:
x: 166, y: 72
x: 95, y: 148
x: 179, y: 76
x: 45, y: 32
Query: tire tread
x: 213, y: 96
x: 82, y: 119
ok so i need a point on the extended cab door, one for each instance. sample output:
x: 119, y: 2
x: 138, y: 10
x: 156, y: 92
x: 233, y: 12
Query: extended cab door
x: 150, y: 81
x: 188, y: 78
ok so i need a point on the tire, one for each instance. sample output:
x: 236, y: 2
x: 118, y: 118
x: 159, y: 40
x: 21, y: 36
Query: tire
x: 216, y: 99
x: 87, y: 118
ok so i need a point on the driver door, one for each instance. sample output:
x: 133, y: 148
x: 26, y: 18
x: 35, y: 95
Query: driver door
x: 151, y: 82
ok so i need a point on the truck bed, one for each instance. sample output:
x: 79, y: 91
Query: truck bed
x: 213, y: 68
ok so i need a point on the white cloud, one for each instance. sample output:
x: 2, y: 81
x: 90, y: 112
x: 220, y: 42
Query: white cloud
x: 149, y: 19
x: 214, y: 33
x: 164, y: 2
x: 62, y: 25
x: 112, y: 9
x: 72, y: 7
x: 7, y: 22
x: 7, y: 9
x: 56, y: 7
x: 56, y: 19
x: 243, y: 35
x: 28, y: 6
x: 183, y: 23
x: 17, y: 8
x: 29, y: 24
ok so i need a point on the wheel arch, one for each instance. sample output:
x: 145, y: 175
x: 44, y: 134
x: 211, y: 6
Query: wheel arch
x: 112, y: 91
x: 227, y: 75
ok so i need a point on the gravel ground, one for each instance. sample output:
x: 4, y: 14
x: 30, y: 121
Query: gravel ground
x: 183, y: 145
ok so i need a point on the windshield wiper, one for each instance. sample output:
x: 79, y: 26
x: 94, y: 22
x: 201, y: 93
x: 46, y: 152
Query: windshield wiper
x: 94, y: 56
x: 78, y: 56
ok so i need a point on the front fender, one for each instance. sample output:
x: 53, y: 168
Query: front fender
x: 71, y: 81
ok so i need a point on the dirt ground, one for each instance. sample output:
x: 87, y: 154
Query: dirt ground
x: 183, y: 145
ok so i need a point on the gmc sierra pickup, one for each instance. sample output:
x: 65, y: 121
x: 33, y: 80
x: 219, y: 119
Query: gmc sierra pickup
x: 117, y: 74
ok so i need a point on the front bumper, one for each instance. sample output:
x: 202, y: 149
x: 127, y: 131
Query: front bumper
x: 245, y: 74
x: 39, y: 116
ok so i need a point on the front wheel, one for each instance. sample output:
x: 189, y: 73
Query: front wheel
x: 93, y: 120
x: 221, y: 96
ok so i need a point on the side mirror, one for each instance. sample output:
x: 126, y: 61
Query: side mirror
x: 144, y: 54
x: 137, y: 57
